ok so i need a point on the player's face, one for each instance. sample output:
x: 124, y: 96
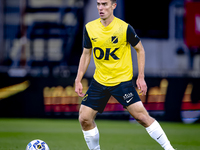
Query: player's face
x: 105, y: 8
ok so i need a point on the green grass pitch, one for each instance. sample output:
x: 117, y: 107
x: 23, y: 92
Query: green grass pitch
x: 64, y: 134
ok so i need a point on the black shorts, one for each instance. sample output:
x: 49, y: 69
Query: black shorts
x: 98, y: 95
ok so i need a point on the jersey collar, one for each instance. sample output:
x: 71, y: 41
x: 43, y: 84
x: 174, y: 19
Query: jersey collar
x: 109, y: 27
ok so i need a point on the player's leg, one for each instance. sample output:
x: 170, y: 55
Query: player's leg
x: 154, y: 129
x: 89, y: 128
x: 140, y: 114
x: 94, y: 101
x: 86, y: 117
x: 126, y: 94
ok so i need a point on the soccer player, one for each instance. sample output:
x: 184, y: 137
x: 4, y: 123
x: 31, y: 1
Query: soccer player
x: 111, y: 39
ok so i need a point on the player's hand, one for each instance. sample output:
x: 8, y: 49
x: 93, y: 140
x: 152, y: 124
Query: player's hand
x: 142, y: 86
x: 79, y: 89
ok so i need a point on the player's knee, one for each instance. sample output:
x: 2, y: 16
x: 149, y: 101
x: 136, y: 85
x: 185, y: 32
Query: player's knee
x: 143, y: 119
x: 85, y: 121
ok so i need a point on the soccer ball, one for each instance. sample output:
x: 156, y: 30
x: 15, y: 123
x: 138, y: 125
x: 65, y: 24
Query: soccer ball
x: 37, y: 145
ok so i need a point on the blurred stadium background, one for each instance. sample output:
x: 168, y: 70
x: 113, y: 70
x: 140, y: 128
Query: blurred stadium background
x: 41, y: 43
x: 40, y: 48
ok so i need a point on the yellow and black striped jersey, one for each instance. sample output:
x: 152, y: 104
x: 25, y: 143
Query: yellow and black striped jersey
x: 111, y: 50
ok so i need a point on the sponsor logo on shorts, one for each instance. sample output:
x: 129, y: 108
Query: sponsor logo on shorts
x: 128, y: 97
x: 85, y: 97
x: 128, y: 101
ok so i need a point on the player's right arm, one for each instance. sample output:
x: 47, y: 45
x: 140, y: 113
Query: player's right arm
x: 84, y: 63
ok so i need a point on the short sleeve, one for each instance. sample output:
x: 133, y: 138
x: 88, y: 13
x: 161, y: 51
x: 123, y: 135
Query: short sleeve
x: 86, y: 40
x: 132, y: 37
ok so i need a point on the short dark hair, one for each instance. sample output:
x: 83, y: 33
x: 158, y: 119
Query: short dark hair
x: 113, y: 1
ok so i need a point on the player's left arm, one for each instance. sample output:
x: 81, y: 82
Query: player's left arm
x: 134, y: 40
x: 141, y: 84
